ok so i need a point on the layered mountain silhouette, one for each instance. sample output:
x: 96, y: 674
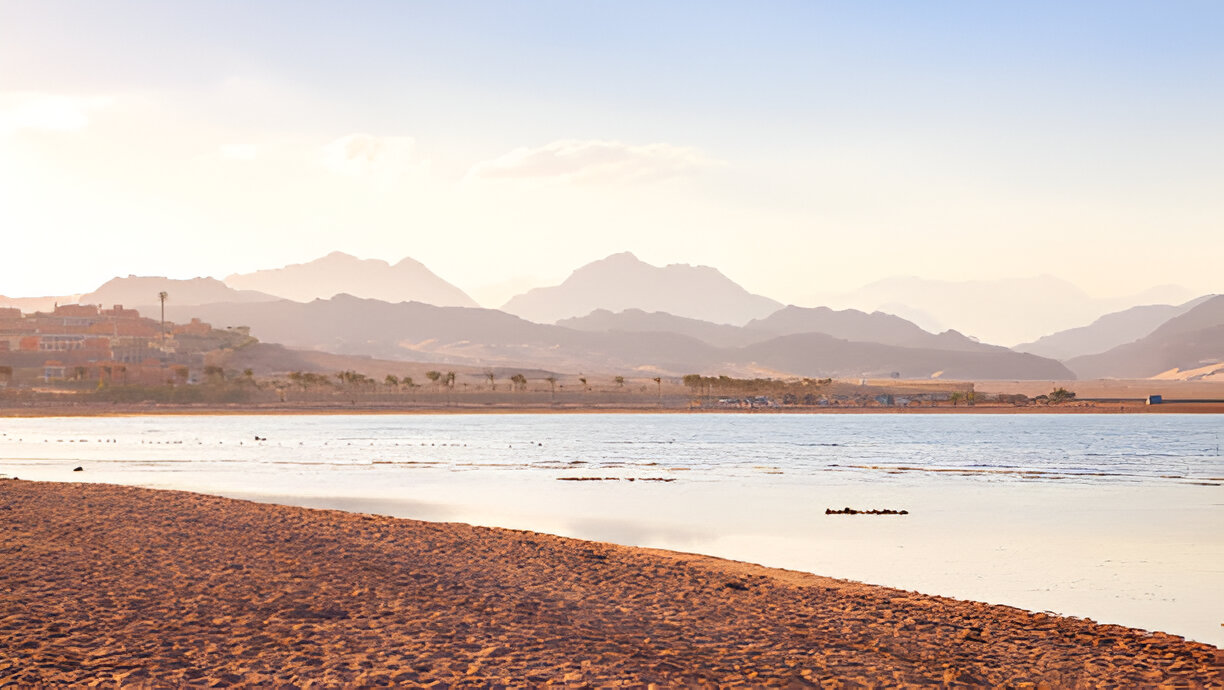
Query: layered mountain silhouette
x: 622, y: 314
x: 1107, y: 332
x: 407, y: 281
x: 137, y: 291
x: 1187, y: 342
x: 622, y: 281
x: 639, y: 321
x: 847, y: 324
x: 855, y: 325
x: 987, y: 309
x: 817, y: 354
x: 485, y: 337
x: 30, y: 305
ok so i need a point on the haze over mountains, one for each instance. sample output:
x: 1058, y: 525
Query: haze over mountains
x: 141, y: 291
x: 421, y: 332
x: 406, y: 281
x: 622, y: 314
x: 1108, y: 331
x: 1190, y: 342
x: 1004, y: 311
x: 622, y: 281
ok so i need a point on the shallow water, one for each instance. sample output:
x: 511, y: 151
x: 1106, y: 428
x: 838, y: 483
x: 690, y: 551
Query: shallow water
x: 1114, y: 517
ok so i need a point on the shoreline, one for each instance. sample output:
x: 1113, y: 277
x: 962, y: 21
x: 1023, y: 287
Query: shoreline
x: 121, y: 410
x: 132, y: 586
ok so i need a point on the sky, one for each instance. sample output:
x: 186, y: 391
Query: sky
x: 803, y: 148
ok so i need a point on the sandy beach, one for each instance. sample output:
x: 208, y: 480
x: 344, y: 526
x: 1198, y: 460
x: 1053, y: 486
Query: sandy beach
x: 106, y: 584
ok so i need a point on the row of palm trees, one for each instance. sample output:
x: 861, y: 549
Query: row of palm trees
x: 439, y: 379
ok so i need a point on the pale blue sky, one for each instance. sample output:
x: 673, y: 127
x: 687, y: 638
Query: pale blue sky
x: 507, y: 143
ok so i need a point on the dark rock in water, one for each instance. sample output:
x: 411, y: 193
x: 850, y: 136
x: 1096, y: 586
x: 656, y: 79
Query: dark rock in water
x: 873, y: 511
x: 78, y: 469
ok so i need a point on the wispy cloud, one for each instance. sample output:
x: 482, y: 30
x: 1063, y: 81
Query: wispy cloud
x: 358, y: 155
x: 239, y: 152
x: 594, y: 161
x: 47, y: 111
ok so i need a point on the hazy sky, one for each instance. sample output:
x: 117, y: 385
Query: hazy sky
x: 801, y: 147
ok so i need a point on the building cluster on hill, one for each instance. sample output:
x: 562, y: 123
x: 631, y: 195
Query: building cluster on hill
x: 84, y: 342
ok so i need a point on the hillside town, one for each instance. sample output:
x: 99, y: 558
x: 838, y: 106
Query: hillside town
x: 87, y: 343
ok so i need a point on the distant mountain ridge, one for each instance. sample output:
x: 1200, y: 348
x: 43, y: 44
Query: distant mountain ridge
x: 638, y: 321
x: 855, y: 325
x: 484, y: 337
x: 988, y: 309
x: 847, y: 324
x: 340, y: 273
x: 29, y: 305
x: 622, y: 281
x: 136, y: 291
x: 1185, y: 342
x: 1107, y: 332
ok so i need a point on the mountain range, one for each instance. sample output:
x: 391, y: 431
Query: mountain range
x: 622, y: 281
x: 1191, y: 341
x: 623, y: 314
x: 1107, y: 332
x: 988, y: 309
x: 420, y: 332
x: 848, y: 324
x: 142, y: 291
x: 406, y: 281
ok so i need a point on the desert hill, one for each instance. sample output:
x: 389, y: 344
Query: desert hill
x: 411, y: 331
x: 1109, y: 331
x: 414, y: 331
x: 638, y: 321
x: 142, y: 291
x: 848, y: 324
x: 1186, y: 342
x: 622, y: 281
x: 406, y: 281
x: 852, y: 324
x: 987, y: 309
x: 29, y: 305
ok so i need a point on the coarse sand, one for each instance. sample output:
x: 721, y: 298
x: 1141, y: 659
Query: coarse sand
x: 113, y: 585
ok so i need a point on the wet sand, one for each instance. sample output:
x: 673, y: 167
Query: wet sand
x: 141, y: 587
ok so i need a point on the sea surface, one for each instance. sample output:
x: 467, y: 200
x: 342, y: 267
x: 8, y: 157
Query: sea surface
x: 1119, y: 518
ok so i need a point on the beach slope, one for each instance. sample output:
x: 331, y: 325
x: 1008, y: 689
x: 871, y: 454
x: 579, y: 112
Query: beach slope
x: 141, y: 587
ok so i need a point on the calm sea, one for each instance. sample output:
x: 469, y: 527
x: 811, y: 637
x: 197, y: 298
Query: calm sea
x: 1115, y: 517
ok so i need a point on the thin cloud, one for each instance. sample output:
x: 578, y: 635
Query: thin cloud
x: 239, y: 152
x: 361, y: 155
x: 47, y: 112
x: 594, y: 161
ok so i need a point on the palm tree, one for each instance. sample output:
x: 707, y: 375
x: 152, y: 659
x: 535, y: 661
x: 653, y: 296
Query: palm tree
x: 162, y: 297
x: 489, y: 375
x: 620, y: 381
x: 552, y: 385
x: 659, y: 382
